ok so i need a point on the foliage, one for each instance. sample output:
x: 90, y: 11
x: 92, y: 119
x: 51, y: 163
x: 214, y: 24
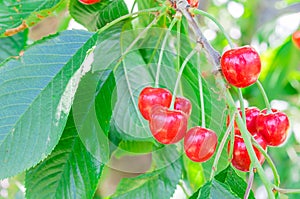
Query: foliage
x: 68, y: 103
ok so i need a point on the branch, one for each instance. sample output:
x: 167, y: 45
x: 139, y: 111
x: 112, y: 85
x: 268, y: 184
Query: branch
x: 183, y: 7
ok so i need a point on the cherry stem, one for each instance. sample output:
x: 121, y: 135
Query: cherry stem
x: 205, y: 14
x: 262, y: 90
x: 231, y: 141
x: 175, y: 19
x: 242, y: 105
x: 203, y: 123
x: 220, y: 149
x: 146, y: 11
x: 250, y: 183
x: 269, y: 160
x: 140, y: 35
x: 194, y: 51
x: 286, y: 191
x: 183, y: 189
x: 133, y: 5
x: 179, y: 46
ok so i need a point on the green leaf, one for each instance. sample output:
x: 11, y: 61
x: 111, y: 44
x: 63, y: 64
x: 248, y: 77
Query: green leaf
x: 105, y: 99
x: 69, y: 172
x: 99, y: 14
x: 13, y: 13
x: 236, y: 183
x: 133, y: 148
x: 11, y: 46
x: 214, y: 190
x: 92, y: 110
x: 127, y: 121
x: 194, y: 172
x: 160, y: 183
x: 279, y: 68
x: 36, y: 96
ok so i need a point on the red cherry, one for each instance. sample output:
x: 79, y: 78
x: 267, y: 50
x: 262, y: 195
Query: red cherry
x: 89, y: 2
x: 153, y: 96
x: 296, y: 38
x: 193, y: 3
x: 184, y: 105
x: 241, y: 66
x: 251, y: 116
x: 273, y: 126
x: 200, y: 143
x: 240, y: 157
x: 167, y: 126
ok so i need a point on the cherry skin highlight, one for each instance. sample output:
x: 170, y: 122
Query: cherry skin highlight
x: 200, y: 144
x: 183, y: 104
x: 89, y: 2
x: 240, y: 157
x: 150, y: 97
x: 167, y: 126
x: 241, y: 66
x: 273, y: 126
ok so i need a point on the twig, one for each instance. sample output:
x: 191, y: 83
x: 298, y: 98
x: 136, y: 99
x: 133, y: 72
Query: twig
x: 183, y: 6
x: 285, y: 191
x: 220, y: 149
x: 250, y: 182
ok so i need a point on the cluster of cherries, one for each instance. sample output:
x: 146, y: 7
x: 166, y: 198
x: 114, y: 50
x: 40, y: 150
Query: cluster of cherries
x: 267, y: 128
x: 241, y: 68
x: 168, y: 125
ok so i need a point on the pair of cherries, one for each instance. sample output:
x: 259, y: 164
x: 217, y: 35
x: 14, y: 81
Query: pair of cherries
x: 267, y: 128
x: 169, y: 125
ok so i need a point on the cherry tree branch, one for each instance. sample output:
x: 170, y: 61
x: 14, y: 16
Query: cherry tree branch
x: 183, y: 7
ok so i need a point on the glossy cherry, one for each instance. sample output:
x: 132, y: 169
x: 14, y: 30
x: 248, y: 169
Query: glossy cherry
x: 200, y: 143
x: 150, y: 96
x: 251, y: 116
x: 193, y: 3
x: 240, y: 157
x: 183, y: 104
x: 89, y: 2
x: 296, y: 38
x: 273, y: 126
x: 167, y: 126
x: 241, y: 66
